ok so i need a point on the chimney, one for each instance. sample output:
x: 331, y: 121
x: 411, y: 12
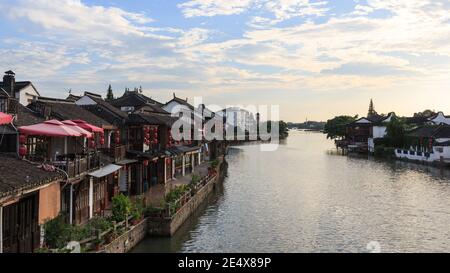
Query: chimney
x: 9, y: 81
x: 186, y: 99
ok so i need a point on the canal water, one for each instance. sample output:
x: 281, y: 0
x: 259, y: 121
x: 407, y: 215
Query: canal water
x: 306, y: 197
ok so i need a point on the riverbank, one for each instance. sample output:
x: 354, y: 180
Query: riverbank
x: 168, y: 225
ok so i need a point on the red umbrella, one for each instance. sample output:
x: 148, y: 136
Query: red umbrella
x: 91, y: 128
x: 75, y: 127
x: 52, y: 128
x: 5, y: 119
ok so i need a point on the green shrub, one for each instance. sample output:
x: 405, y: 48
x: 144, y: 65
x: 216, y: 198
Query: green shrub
x: 99, y: 223
x: 57, y: 233
x: 121, y: 208
x: 137, y: 209
x: 214, y: 164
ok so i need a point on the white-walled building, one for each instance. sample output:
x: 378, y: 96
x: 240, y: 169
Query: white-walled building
x: 432, y: 145
x: 23, y: 91
x: 378, y: 130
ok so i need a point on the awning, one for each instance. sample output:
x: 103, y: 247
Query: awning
x: 75, y: 127
x: 91, y: 128
x: 5, y: 119
x: 179, y: 150
x: 52, y: 128
x: 107, y: 170
x: 126, y: 161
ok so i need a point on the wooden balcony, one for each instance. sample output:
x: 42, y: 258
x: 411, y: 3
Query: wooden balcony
x: 77, y: 165
x: 116, y: 152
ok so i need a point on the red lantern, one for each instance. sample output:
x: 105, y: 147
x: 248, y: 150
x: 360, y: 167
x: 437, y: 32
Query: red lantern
x: 145, y: 163
x: 102, y: 141
x: 23, y: 150
x: 22, y: 139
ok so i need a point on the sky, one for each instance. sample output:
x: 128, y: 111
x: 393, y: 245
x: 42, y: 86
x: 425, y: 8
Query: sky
x: 314, y: 58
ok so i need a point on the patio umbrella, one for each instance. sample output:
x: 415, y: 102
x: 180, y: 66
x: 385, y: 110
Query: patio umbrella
x: 91, y: 128
x: 51, y: 128
x: 5, y: 119
x: 77, y: 128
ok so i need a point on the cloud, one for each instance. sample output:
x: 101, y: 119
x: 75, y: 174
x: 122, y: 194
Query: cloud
x: 195, y: 8
x: 281, y: 9
x: 375, y: 45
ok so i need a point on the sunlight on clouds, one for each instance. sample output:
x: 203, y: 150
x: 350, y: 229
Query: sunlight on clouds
x: 388, y: 48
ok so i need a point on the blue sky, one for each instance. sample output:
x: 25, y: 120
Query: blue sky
x: 314, y: 58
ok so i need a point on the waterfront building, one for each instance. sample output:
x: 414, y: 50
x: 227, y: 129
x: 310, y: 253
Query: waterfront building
x: 362, y: 133
x: 429, y: 144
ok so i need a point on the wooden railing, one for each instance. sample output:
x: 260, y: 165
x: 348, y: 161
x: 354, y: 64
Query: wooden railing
x: 78, y: 164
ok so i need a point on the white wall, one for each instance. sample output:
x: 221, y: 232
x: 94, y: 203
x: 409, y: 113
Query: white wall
x: 85, y: 100
x: 379, y: 131
x: 27, y: 95
x: 434, y: 157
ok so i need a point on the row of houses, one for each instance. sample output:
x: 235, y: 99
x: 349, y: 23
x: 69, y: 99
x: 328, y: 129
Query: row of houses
x: 429, y: 136
x: 72, y: 156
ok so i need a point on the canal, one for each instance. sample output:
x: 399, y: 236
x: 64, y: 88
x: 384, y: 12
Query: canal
x: 306, y: 197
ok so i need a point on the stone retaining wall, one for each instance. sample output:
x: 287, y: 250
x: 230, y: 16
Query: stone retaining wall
x: 167, y: 227
x: 128, y: 240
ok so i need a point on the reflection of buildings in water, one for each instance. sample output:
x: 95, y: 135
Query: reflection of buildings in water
x: 398, y: 166
x: 434, y: 171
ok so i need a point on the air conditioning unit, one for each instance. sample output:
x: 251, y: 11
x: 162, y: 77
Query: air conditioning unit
x: 127, y: 109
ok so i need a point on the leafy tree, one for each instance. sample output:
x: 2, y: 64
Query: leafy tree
x: 396, y: 132
x: 371, y: 109
x: 121, y: 207
x: 336, y: 127
x: 427, y: 113
x: 110, y: 94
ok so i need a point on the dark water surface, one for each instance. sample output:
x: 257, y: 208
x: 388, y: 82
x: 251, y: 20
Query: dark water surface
x: 307, y: 198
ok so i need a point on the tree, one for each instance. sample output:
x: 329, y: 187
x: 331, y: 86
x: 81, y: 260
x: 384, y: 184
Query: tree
x: 395, y: 130
x: 427, y: 114
x: 336, y: 127
x: 110, y: 94
x: 371, y: 109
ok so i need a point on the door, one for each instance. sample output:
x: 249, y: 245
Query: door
x: 21, y: 233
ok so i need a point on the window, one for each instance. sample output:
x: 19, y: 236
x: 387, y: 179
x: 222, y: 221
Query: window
x: 439, y: 150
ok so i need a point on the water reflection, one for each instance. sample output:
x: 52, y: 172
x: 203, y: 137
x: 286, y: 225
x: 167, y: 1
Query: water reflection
x: 306, y: 197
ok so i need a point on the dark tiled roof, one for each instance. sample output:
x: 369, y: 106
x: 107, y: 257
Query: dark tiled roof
x: 108, y: 106
x: 151, y: 119
x: 432, y: 131
x: 14, y: 173
x: 182, y: 102
x: 3, y: 93
x: 136, y: 99
x: 66, y: 110
x: 18, y: 85
x: 73, y: 98
x: 177, y: 150
x: 26, y: 116
x: 416, y: 120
